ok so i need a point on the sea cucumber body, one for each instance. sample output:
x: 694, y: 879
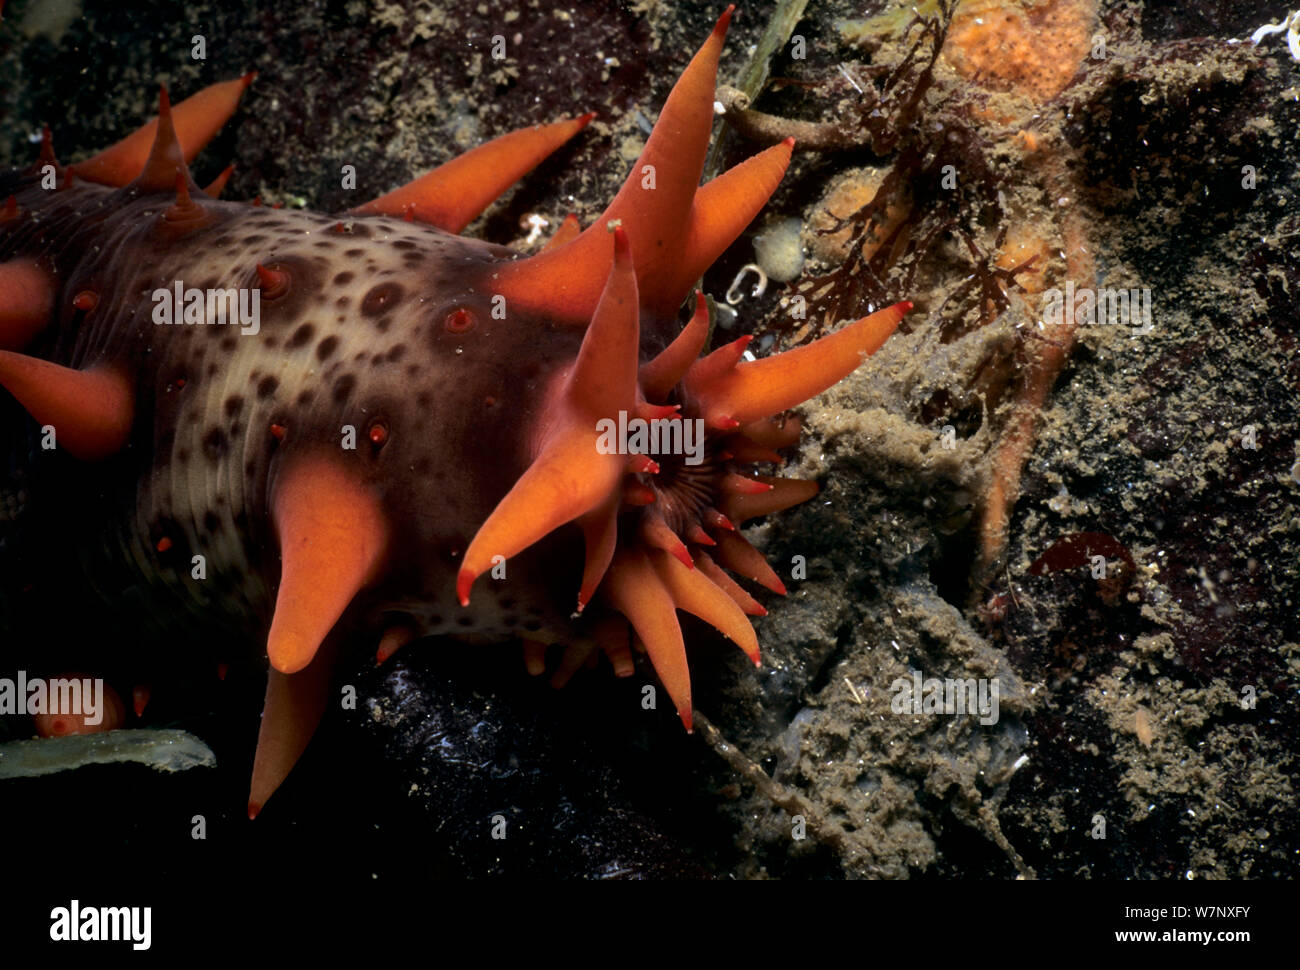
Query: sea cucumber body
x: 359, y: 340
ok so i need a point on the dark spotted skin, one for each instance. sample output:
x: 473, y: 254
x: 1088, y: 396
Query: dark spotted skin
x: 358, y: 338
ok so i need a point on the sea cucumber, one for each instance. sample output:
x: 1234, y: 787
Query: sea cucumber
x: 407, y: 434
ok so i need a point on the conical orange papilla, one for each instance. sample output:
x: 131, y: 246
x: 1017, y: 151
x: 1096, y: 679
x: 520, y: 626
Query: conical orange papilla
x: 656, y: 534
x: 745, y: 451
x: 784, y: 493
x: 600, y: 536
x: 26, y: 302
x: 453, y: 195
x: 218, y: 184
x: 333, y: 535
x: 569, y: 230
x: 611, y: 635
x: 570, y: 477
x: 534, y: 657
x: 723, y: 208
x: 294, y: 705
x: 571, y: 661
x: 45, y: 155
x: 662, y: 373
x: 754, y: 389
x: 781, y: 431
x: 165, y: 165
x: 747, y: 603
x: 718, y: 364
x: 654, y: 204
x: 394, y: 638
x: 90, y: 410
x: 634, y: 588
x: 196, y: 120
x: 740, y: 557
x: 694, y: 592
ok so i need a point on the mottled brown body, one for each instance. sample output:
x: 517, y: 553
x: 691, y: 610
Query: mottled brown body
x: 359, y: 339
x: 408, y: 432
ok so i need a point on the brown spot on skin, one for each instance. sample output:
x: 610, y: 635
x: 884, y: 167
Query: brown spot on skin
x: 326, y: 347
x: 266, y: 387
x: 354, y: 253
x: 381, y: 299
x: 343, y: 279
x: 397, y: 352
x: 305, y: 398
x: 343, y: 387
x: 211, y: 524
x: 234, y: 404
x: 214, y: 444
x: 301, y: 337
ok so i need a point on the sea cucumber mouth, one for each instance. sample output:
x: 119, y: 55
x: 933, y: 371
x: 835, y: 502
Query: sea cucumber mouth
x: 684, y: 491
